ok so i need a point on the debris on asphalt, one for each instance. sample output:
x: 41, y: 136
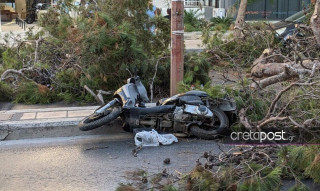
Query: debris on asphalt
x: 166, y: 161
x: 136, y: 150
x: 164, y: 172
x: 96, y: 148
x: 144, y: 180
x: 153, y: 138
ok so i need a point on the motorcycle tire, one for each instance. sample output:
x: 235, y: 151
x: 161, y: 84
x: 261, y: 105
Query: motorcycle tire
x: 88, y: 123
x: 212, y: 134
x: 30, y: 19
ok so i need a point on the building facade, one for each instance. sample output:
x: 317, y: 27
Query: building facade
x: 18, y: 7
x: 257, y: 10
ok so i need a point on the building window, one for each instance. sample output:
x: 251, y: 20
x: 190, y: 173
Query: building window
x: 194, y: 3
x: 198, y: 3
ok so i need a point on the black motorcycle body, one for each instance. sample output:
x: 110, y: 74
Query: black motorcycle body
x: 31, y: 16
x: 191, y: 113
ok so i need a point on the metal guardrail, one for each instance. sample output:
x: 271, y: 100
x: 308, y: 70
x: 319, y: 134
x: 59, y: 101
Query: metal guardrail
x: 21, y: 23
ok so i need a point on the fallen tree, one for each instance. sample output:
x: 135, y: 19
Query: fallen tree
x: 315, y: 22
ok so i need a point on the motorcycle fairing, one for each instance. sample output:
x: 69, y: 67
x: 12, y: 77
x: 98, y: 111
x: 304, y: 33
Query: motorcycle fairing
x: 142, y: 90
x: 128, y: 94
x: 131, y: 92
x: 197, y: 93
x: 181, y: 99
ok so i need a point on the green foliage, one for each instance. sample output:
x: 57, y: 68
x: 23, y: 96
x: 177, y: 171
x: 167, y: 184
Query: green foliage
x: 54, y: 22
x: 221, y: 23
x: 31, y: 93
x: 299, y: 187
x: 244, y: 97
x: 300, y: 157
x: 191, y: 16
x: 196, y: 69
x: 190, y: 28
x: 217, y: 91
x: 247, y: 98
x: 241, y: 52
x: 309, y: 104
x: 222, y: 20
x: 169, y: 188
x: 201, y: 179
x: 303, y: 160
x: 68, y: 88
x: 9, y: 59
x: 313, y: 170
x: 96, y: 50
x: 263, y: 183
x: 192, y: 21
x: 6, y: 92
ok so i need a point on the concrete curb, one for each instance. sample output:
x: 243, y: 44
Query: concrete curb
x: 58, y: 122
x: 51, y: 109
x: 52, y: 128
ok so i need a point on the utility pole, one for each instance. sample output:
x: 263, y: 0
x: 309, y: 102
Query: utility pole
x: 177, y: 43
x: 0, y: 22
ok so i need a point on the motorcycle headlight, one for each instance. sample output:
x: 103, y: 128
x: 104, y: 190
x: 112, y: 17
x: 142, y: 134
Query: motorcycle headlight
x: 280, y: 31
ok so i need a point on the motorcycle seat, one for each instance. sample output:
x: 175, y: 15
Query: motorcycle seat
x: 190, y: 99
x: 197, y: 93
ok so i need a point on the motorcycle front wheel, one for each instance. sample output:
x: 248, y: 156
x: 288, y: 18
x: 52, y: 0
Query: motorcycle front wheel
x: 30, y: 18
x: 96, y: 120
x: 220, y: 126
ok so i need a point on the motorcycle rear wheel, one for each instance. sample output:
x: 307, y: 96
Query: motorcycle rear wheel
x: 222, y: 127
x: 94, y: 120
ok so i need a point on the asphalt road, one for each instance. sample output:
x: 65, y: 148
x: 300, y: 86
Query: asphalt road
x: 91, y: 162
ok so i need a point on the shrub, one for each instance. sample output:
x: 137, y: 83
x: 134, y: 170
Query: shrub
x: 31, y: 93
x: 221, y: 24
x: 97, y: 49
x: 6, y: 92
x: 192, y: 21
x: 239, y: 51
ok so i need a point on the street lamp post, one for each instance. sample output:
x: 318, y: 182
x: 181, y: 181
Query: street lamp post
x: 177, y: 43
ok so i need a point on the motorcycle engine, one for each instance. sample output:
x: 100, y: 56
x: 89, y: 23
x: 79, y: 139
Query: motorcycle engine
x: 179, y: 114
x: 199, y: 110
x: 180, y: 119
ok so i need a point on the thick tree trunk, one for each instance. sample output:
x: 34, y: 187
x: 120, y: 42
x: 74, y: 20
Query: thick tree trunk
x: 288, y: 73
x: 315, y: 22
x: 262, y: 70
x: 240, y: 18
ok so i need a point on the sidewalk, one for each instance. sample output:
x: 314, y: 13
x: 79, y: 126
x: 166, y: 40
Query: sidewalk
x: 13, y: 27
x: 45, y: 114
x: 44, y: 117
x: 15, y: 31
x: 49, y: 122
x: 43, y: 123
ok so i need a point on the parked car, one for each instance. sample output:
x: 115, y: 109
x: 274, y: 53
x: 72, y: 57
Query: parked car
x: 287, y: 27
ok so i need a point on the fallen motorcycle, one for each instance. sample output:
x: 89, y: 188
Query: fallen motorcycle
x: 190, y: 113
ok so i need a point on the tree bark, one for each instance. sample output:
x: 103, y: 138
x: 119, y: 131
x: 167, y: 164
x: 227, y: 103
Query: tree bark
x: 240, y: 18
x: 315, y: 22
x: 289, y: 72
x: 263, y: 70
